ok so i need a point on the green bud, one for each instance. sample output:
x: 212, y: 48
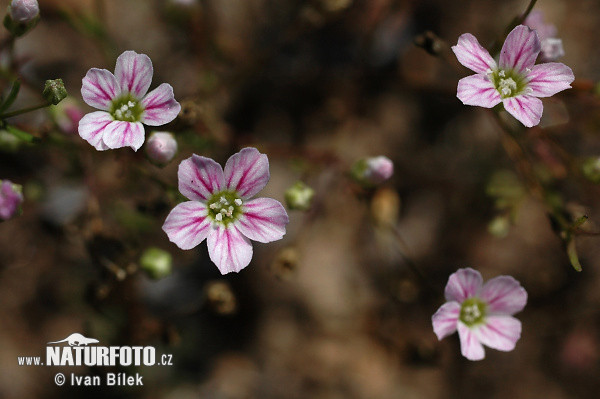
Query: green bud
x: 156, y: 262
x: 299, y: 196
x: 54, y: 91
x: 591, y: 169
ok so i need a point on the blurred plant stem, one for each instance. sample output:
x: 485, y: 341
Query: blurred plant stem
x: 564, y: 228
x: 518, y: 20
x: 24, y: 110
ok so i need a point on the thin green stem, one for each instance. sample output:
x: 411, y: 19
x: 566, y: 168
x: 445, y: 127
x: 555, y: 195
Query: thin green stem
x: 24, y: 110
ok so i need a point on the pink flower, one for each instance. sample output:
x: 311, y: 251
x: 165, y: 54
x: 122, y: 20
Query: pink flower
x: 552, y: 47
x: 221, y: 210
x: 482, y: 313
x: 514, y: 81
x: 124, y: 103
x: 11, y: 197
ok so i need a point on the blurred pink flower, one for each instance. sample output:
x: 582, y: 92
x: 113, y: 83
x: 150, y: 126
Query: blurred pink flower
x: 482, y: 313
x: 124, y: 103
x: 11, y: 198
x: 552, y: 47
x: 221, y: 211
x: 514, y: 81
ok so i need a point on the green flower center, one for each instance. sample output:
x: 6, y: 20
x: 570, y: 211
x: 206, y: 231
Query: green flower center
x: 224, y: 207
x: 126, y: 109
x: 508, y: 82
x: 472, y: 312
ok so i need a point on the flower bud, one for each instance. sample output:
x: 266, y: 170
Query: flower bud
x: 11, y: 197
x: 299, y: 196
x: 54, y: 91
x: 156, y: 262
x: 161, y: 148
x: 22, y: 16
x: 373, y: 171
x: 591, y: 169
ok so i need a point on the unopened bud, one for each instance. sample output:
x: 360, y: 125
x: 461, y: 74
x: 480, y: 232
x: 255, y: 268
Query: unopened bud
x: 591, y: 169
x: 373, y: 171
x: 156, y: 262
x: 161, y: 148
x: 22, y: 16
x: 11, y: 197
x: 54, y: 91
x: 299, y: 196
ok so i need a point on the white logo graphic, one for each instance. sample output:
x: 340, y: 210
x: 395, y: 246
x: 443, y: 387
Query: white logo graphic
x: 78, y: 352
x: 76, y: 339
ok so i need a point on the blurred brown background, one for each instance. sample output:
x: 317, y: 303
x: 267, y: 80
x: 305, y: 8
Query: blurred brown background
x: 334, y: 310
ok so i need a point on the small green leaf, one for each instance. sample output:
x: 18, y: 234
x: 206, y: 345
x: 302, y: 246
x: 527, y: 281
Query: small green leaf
x: 12, y: 96
x: 22, y: 135
x: 572, y: 253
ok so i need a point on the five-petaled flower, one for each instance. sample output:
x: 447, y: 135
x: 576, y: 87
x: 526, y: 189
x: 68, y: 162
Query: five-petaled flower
x: 514, y: 81
x: 124, y: 103
x: 482, y: 313
x: 221, y: 210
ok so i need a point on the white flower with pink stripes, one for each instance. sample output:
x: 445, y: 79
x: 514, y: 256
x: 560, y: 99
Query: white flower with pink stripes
x: 124, y: 104
x: 221, y: 210
x: 482, y: 313
x: 514, y: 81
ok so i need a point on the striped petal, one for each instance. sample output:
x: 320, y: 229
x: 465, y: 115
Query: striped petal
x: 470, y: 347
x: 229, y: 249
x: 247, y: 172
x: 472, y: 54
x: 445, y: 320
x: 263, y: 220
x: 99, y: 88
x: 187, y: 225
x: 503, y: 295
x: 499, y: 332
x: 160, y: 106
x: 463, y: 284
x: 520, y: 50
x: 118, y: 134
x: 478, y: 90
x: 134, y: 73
x: 545, y: 80
x: 92, y: 127
x: 200, y: 177
x: 526, y: 109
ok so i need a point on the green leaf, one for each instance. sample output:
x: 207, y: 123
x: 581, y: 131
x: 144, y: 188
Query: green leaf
x: 12, y: 96
x: 22, y: 135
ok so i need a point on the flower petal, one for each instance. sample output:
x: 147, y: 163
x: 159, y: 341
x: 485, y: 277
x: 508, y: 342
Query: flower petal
x: 445, y: 320
x: 548, y: 79
x: 263, y: 220
x: 478, y: 90
x: 499, y: 332
x: 520, y: 49
x: 472, y: 54
x: 187, y: 225
x: 229, y: 249
x: 134, y: 73
x: 119, y: 134
x: 504, y: 295
x: 200, y: 177
x: 247, y: 172
x: 99, y: 87
x: 526, y: 109
x: 463, y: 284
x: 160, y: 106
x: 470, y: 347
x: 92, y: 127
